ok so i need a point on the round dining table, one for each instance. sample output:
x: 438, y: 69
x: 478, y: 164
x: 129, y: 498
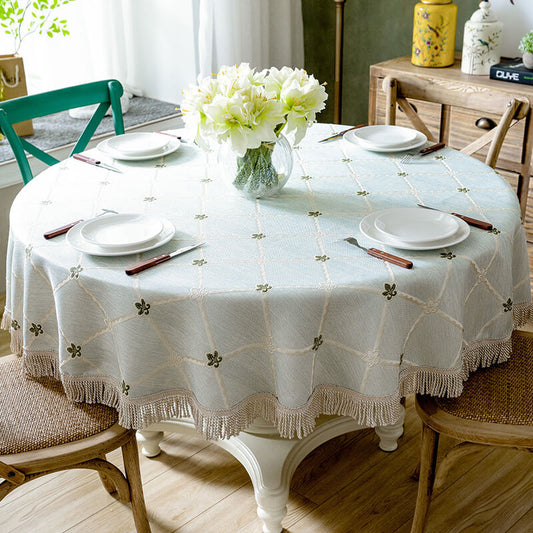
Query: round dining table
x: 277, y: 323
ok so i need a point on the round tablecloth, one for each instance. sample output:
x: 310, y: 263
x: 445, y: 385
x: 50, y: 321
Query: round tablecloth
x: 276, y: 316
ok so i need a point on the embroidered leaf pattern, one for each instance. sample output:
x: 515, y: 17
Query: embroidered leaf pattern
x: 200, y: 217
x: 314, y: 213
x: 322, y: 258
x: 317, y: 341
x: 75, y: 271
x: 346, y: 160
x: 306, y: 178
x: 390, y: 291
x: 265, y: 287
x: 402, y: 174
x: 258, y: 236
x: 362, y: 193
x: 508, y: 305
x: 214, y: 359
x: 199, y: 262
x: 46, y: 202
x: 463, y: 189
x: 206, y: 180
x: 74, y: 351
x: 15, y: 325
x: 149, y: 199
x: 494, y: 231
x: 125, y: 388
x: 440, y: 157
x: 28, y: 251
x: 36, y: 329
x: 142, y: 307
x: 448, y: 255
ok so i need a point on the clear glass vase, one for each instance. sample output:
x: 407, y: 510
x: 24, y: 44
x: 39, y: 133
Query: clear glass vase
x: 260, y: 172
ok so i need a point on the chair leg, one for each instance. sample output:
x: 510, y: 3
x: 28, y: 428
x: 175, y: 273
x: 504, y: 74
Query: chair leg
x: 130, y: 453
x: 428, y: 459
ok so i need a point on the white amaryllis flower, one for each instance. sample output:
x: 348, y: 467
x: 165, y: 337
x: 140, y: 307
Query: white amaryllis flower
x: 247, y: 108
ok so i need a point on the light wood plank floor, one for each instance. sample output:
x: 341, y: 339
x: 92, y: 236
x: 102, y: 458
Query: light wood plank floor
x: 345, y: 486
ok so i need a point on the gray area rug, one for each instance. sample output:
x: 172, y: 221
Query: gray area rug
x: 61, y: 129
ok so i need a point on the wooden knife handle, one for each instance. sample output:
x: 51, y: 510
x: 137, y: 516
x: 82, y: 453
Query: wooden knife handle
x: 431, y: 149
x: 395, y: 260
x: 59, y: 231
x: 143, y: 265
x: 474, y: 221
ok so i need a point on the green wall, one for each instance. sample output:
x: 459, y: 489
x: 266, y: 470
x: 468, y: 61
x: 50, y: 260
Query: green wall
x: 374, y: 30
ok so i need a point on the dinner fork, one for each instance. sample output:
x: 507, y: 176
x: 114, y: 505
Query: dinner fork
x: 407, y: 158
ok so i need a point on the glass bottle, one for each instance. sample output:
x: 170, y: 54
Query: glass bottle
x: 434, y: 25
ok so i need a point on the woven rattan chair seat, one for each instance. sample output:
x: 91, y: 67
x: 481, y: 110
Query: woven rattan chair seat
x: 37, y: 414
x: 499, y: 394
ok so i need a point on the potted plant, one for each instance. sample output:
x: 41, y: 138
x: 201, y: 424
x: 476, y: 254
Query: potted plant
x: 526, y: 47
x: 19, y: 20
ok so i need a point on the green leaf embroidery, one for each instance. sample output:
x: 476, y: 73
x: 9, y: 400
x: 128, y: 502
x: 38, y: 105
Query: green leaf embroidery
x: 463, y: 189
x: 75, y: 271
x: 263, y: 287
x: 214, y: 359
x: 142, y: 307
x: 15, y: 325
x: 362, y: 193
x: 390, y: 291
x: 494, y: 231
x: 199, y: 262
x: 125, y: 388
x: 317, y: 341
x: 74, y: 351
x: 508, y: 305
x: 200, y: 217
x: 314, y: 213
x: 258, y: 236
x: 36, y: 329
x: 448, y: 255
x: 322, y: 258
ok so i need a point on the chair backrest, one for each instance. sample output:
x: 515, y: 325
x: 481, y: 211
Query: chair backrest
x: 106, y: 93
x: 515, y: 111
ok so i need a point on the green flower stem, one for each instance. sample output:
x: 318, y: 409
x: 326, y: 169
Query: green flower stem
x: 255, y: 170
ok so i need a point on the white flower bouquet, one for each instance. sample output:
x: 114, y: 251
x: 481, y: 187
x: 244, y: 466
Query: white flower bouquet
x: 249, y: 110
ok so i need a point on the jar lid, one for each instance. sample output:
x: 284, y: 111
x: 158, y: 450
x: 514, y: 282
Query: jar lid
x: 484, y: 13
x: 436, y: 1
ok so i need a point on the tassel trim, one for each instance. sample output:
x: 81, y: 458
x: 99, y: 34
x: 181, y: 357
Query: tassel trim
x: 369, y: 411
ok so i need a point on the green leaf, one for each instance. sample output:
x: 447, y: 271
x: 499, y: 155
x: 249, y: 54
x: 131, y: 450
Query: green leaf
x: 49, y: 33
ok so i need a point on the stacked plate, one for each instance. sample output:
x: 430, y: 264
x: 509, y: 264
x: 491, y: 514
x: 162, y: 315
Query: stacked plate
x: 386, y: 138
x: 120, y: 234
x: 413, y: 228
x: 139, y: 146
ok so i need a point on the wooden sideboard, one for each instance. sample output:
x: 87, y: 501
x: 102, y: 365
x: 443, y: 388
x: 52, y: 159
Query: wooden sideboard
x: 450, y: 103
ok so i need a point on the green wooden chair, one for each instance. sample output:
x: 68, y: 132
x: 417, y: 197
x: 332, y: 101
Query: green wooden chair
x: 106, y: 93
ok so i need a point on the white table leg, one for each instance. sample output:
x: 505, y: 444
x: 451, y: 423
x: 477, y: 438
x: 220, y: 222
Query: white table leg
x: 270, y: 460
x: 150, y: 442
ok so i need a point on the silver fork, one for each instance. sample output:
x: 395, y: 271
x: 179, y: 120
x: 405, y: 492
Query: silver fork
x: 407, y: 158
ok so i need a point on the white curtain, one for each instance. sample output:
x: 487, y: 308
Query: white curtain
x: 263, y: 33
x: 157, y: 47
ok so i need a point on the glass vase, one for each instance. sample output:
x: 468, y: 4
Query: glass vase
x: 260, y: 172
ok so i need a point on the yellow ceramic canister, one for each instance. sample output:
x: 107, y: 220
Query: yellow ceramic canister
x: 434, y: 26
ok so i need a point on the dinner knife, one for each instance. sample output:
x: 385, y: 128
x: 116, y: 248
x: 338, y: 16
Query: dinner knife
x: 432, y: 148
x: 469, y: 220
x: 95, y: 162
x: 143, y: 265
x: 380, y: 254
x: 341, y: 133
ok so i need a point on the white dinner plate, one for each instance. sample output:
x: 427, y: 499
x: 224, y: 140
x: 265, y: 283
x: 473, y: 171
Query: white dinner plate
x: 418, y: 141
x: 121, y: 230
x: 368, y: 229
x: 76, y: 240
x: 139, y: 143
x: 415, y: 225
x: 170, y: 147
x: 385, y: 136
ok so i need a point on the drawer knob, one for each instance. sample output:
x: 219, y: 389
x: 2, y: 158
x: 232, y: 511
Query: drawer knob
x: 485, y: 123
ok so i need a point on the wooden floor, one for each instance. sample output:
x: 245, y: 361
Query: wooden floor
x: 346, y: 486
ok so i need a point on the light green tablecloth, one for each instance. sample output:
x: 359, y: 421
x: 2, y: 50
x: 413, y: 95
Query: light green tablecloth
x: 275, y: 316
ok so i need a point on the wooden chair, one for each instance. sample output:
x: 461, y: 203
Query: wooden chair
x: 41, y: 432
x: 515, y: 111
x: 494, y: 409
x: 105, y: 93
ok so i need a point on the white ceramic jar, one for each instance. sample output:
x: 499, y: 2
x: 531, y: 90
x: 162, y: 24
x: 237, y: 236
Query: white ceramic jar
x: 482, y: 41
